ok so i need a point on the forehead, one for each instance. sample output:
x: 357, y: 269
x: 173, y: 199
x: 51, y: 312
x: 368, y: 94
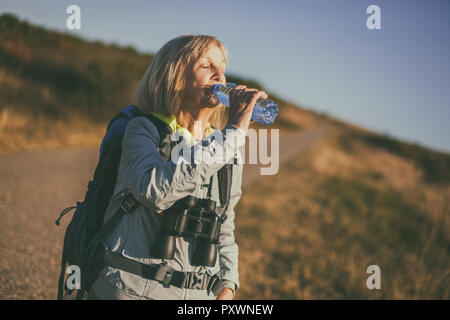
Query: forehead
x: 214, y: 54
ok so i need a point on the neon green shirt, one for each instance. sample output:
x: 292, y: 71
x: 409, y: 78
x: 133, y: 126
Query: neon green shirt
x: 172, y: 122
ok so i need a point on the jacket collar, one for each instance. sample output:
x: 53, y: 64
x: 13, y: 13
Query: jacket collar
x: 171, y: 121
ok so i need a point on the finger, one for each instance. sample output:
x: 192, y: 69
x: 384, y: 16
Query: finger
x: 249, y: 93
x: 238, y: 90
x: 265, y: 96
x: 240, y: 87
x: 254, y: 92
x: 257, y: 96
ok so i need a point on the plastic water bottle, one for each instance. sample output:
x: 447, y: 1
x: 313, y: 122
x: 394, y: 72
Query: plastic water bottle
x: 265, y: 110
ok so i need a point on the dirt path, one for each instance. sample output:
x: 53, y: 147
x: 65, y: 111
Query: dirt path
x: 36, y: 186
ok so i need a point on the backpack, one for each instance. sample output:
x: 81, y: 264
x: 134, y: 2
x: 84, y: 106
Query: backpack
x: 83, y: 240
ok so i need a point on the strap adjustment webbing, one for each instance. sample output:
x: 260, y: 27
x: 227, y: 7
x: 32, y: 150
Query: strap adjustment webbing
x: 162, y: 273
x: 128, y: 203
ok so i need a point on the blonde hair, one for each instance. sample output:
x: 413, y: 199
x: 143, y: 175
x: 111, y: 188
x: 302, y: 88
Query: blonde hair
x: 161, y: 88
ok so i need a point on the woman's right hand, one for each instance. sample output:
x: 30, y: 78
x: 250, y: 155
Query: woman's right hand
x: 242, y: 102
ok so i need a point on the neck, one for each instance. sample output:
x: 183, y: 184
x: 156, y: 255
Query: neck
x: 188, y: 118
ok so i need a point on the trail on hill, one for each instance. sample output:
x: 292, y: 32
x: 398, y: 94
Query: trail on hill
x: 36, y: 185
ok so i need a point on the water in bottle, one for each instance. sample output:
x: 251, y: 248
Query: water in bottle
x: 265, y: 110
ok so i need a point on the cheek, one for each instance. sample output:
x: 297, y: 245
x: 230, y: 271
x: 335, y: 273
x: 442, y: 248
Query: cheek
x: 193, y: 91
x: 201, y: 76
x: 195, y: 84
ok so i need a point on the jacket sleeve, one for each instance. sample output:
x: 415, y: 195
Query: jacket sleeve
x: 157, y: 184
x: 228, y: 248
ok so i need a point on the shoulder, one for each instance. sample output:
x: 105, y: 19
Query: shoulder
x: 143, y: 127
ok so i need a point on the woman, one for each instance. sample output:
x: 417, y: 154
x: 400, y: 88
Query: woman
x: 176, y: 88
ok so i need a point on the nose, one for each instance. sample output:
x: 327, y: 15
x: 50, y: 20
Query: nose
x: 219, y: 76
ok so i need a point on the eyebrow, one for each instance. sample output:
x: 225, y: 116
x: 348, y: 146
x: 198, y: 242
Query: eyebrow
x: 205, y: 58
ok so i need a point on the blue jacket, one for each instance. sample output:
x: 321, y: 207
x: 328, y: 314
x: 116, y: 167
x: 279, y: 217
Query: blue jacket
x: 157, y: 184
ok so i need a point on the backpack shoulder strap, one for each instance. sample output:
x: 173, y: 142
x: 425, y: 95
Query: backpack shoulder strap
x: 224, y: 179
x: 126, y: 113
x: 165, y: 133
x: 128, y: 201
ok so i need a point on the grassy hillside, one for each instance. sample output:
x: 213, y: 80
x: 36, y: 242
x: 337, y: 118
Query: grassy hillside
x: 59, y: 90
x: 356, y: 198
x: 353, y: 200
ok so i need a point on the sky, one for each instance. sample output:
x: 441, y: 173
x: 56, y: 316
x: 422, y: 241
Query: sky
x: 318, y: 54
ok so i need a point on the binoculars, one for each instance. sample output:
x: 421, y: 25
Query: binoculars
x: 193, y: 217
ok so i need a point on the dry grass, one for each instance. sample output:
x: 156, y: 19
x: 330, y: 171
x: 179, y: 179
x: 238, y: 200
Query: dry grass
x: 336, y: 213
x: 27, y: 132
x: 19, y: 131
